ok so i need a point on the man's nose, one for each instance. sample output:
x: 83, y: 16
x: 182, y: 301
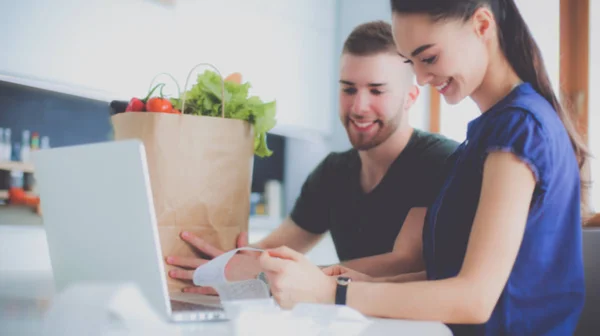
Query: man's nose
x: 360, y: 103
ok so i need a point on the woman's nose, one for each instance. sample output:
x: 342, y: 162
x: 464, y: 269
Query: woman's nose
x: 423, y: 76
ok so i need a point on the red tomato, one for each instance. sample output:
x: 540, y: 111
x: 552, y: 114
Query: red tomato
x: 157, y: 104
x: 135, y: 105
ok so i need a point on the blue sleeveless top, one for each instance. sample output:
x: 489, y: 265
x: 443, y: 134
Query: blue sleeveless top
x: 544, y: 294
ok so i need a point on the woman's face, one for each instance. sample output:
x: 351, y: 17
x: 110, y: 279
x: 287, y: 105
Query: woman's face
x: 450, y: 55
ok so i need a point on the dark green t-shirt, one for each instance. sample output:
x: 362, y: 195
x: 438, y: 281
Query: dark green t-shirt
x: 365, y: 224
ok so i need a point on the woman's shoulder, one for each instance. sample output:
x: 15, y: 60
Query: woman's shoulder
x: 525, y: 104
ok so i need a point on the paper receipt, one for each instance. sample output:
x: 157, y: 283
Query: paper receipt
x: 212, y: 274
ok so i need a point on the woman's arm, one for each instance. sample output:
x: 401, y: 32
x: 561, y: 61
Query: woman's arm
x: 407, y: 277
x: 495, y: 238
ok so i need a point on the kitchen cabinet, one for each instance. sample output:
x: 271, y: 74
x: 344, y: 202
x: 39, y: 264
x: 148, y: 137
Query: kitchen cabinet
x: 109, y: 49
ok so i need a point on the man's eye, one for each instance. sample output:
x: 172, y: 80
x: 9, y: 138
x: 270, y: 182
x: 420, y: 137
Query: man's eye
x: 408, y: 62
x: 430, y: 60
x: 349, y: 91
x: 376, y: 92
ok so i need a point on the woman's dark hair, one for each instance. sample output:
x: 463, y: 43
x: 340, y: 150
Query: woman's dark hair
x: 516, y: 42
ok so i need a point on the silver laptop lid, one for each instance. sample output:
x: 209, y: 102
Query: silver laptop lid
x: 99, y: 217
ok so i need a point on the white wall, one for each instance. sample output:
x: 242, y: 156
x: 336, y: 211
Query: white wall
x: 110, y: 49
x: 594, y: 101
x: 545, y: 27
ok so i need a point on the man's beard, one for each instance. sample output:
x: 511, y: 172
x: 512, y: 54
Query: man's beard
x: 384, y: 131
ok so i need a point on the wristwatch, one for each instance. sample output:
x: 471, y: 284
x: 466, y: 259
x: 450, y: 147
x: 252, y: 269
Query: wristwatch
x: 341, y: 290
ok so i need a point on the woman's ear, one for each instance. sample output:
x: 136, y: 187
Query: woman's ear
x: 411, y: 97
x: 483, y: 22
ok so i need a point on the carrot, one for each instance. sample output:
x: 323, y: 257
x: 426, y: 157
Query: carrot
x: 235, y: 77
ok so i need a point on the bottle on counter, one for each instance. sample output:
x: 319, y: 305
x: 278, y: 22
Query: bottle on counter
x: 45, y: 143
x: 16, y: 151
x: 16, y: 179
x: 25, y: 146
x: 6, y: 152
x: 2, y: 145
x: 274, y: 199
x: 35, y: 141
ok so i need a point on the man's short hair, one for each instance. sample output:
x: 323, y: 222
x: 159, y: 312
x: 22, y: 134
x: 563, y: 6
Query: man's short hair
x: 370, y: 38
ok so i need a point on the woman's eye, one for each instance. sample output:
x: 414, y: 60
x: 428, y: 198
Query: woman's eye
x: 349, y: 91
x: 376, y: 92
x: 430, y: 60
x: 408, y: 62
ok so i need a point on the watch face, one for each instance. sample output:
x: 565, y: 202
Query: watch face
x: 343, y: 281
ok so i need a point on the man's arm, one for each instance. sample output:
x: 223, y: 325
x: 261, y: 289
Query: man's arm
x: 407, y: 255
x: 402, y: 278
x: 241, y: 266
x: 291, y: 235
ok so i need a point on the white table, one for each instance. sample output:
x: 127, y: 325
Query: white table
x: 26, y: 295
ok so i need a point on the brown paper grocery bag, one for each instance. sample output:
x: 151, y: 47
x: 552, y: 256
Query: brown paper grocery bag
x: 200, y: 170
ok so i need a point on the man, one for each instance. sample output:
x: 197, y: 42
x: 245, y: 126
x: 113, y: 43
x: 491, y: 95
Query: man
x: 368, y: 194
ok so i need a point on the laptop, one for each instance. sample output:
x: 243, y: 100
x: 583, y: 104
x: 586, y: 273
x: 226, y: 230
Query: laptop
x: 100, y: 223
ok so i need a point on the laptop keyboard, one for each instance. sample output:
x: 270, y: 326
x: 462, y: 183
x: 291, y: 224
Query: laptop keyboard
x: 180, y: 306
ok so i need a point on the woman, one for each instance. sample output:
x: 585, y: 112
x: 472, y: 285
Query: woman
x: 502, y: 242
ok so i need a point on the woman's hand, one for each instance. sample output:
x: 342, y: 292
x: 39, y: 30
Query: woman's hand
x: 294, y: 279
x: 338, y: 270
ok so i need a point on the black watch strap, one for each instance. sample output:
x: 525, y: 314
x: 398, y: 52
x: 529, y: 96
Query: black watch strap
x: 341, y: 290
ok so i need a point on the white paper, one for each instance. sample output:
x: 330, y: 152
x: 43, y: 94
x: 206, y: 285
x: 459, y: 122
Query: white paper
x: 248, y: 303
x: 212, y: 274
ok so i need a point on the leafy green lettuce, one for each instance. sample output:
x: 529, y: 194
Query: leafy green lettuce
x: 204, y: 98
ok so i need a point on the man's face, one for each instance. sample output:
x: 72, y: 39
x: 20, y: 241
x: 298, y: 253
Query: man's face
x: 373, y: 90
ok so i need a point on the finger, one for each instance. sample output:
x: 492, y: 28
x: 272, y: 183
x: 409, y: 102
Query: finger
x: 285, y: 252
x: 242, y: 240
x: 200, y: 244
x: 331, y: 271
x: 200, y: 290
x: 181, y: 274
x: 283, y: 299
x: 272, y: 264
x: 273, y: 280
x: 186, y: 262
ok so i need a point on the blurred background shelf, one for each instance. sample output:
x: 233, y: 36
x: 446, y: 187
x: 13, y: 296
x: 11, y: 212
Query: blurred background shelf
x: 12, y: 165
x: 4, y: 194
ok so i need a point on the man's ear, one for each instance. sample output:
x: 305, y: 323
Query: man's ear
x: 411, y: 97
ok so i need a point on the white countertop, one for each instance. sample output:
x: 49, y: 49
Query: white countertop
x: 27, y: 291
x: 25, y: 296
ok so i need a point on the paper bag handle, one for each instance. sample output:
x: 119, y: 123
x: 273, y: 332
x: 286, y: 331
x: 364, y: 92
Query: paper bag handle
x: 222, y: 87
x: 170, y: 76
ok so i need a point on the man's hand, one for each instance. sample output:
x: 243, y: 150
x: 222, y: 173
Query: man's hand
x: 242, y: 266
x: 337, y: 270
